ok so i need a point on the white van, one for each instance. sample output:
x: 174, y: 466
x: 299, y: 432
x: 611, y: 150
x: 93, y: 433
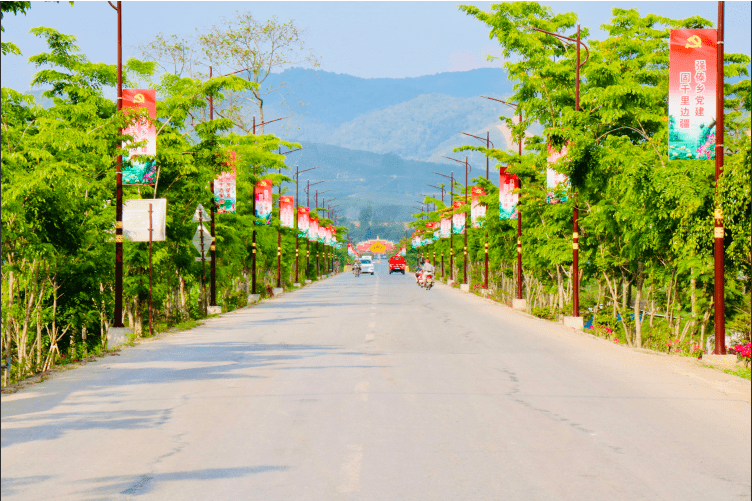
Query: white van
x: 366, y: 264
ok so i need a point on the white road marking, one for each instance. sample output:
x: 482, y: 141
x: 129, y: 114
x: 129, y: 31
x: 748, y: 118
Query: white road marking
x: 370, y: 337
x: 362, y: 388
x: 351, y: 469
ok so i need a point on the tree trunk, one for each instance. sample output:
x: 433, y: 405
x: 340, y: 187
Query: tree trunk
x: 39, y: 337
x: 627, y: 333
x: 560, y: 287
x: 638, y: 297
x: 693, y: 292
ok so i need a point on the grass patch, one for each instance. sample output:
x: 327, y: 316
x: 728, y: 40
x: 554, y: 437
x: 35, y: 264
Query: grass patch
x: 742, y: 372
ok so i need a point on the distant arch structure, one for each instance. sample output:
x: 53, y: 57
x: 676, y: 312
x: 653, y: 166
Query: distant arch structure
x: 375, y: 246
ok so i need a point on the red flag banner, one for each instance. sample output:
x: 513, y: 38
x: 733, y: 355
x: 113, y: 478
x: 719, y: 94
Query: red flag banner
x: 507, y: 198
x: 225, y: 196
x: 263, y: 192
x: 458, y: 219
x: 477, y: 209
x: 141, y: 170
x: 692, y: 81
x: 286, y: 212
x: 446, y: 227
x: 554, y: 178
x: 313, y: 229
x: 303, y: 222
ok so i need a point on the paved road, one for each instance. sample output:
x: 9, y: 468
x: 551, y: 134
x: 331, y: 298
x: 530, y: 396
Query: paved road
x: 374, y: 389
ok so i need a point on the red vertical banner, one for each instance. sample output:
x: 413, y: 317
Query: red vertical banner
x: 507, y: 197
x: 142, y: 169
x: 692, y: 80
x: 287, y: 212
x: 263, y: 193
x: 313, y: 229
x: 303, y: 222
x: 555, y: 181
x: 458, y: 219
x: 225, y: 196
x: 477, y: 209
x: 446, y: 227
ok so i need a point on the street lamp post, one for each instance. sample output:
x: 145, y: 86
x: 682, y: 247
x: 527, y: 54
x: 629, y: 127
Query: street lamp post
x: 308, y: 240
x: 464, y: 251
x: 318, y: 251
x: 519, y: 212
x: 253, y: 233
x: 451, y: 229
x: 440, y: 188
x: 279, y: 233
x: 575, y: 233
x: 297, y: 229
x: 489, y: 144
x: 718, y: 231
x: 118, y: 320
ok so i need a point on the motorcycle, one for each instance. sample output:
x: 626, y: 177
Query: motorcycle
x: 356, y: 271
x: 425, y: 280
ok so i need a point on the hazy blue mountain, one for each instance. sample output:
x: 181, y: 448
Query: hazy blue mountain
x: 337, y: 98
x: 357, y: 179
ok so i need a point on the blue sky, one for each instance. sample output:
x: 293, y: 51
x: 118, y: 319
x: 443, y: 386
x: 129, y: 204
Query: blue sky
x: 365, y: 39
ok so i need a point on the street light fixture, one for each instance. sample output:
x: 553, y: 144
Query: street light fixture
x: 464, y: 251
x: 519, y: 212
x: 575, y: 234
x: 297, y: 228
x: 307, y: 190
x: 489, y: 144
x: 451, y: 228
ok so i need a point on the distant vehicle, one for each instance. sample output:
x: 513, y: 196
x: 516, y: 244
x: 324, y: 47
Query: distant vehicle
x: 396, y: 264
x: 366, y: 264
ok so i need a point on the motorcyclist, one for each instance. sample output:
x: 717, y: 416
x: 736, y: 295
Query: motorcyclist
x: 428, y: 269
x: 356, y: 266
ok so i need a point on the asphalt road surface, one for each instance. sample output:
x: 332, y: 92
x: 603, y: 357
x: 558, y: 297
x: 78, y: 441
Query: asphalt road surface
x: 372, y: 388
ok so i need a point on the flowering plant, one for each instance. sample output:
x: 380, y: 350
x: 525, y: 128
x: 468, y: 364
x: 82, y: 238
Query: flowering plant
x: 601, y: 330
x: 742, y: 352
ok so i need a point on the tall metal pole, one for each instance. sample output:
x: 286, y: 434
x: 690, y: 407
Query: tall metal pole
x: 213, y: 254
x: 720, y: 303
x: 297, y: 229
x: 203, y: 260
x: 151, y: 229
x: 575, y: 234
x: 279, y: 232
x: 118, y: 320
x: 213, y: 206
x: 464, y: 260
x: 451, y: 233
x: 485, y: 245
x: 253, y: 245
x: 519, y: 228
x: 308, y: 240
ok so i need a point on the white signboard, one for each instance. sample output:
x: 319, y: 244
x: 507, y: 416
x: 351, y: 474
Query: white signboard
x: 136, y: 219
x: 207, y: 239
x: 200, y: 214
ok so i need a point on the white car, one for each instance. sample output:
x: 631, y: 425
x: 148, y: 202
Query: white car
x: 366, y: 265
